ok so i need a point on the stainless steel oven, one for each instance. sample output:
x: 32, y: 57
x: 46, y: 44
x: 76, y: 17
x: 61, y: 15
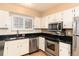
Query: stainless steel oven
x: 52, y: 47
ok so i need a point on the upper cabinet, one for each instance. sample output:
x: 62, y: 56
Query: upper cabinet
x: 47, y: 19
x: 37, y: 22
x: 59, y: 16
x: 51, y: 18
x: 44, y: 22
x: 67, y: 18
x: 4, y: 17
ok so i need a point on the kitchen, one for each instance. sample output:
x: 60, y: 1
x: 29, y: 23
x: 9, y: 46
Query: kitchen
x: 48, y: 30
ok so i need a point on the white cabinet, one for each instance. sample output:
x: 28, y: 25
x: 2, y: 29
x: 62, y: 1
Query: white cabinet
x: 10, y: 48
x: 42, y: 43
x: 59, y: 16
x: 4, y: 17
x: 16, y: 47
x: 65, y: 16
x: 44, y: 22
x: 23, y: 46
x: 55, y: 17
x: 64, y: 49
x: 51, y: 18
x: 68, y: 18
x: 37, y: 22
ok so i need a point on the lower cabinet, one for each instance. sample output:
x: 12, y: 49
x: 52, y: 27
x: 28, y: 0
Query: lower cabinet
x: 16, y: 47
x: 42, y: 43
x: 23, y: 46
x: 10, y: 48
x: 64, y: 49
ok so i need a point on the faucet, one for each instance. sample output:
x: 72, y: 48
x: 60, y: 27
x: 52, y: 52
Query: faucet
x: 17, y: 33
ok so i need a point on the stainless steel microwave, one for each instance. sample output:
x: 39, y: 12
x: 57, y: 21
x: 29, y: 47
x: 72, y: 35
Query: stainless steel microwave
x: 55, y: 26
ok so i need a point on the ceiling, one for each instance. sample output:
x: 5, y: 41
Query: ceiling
x: 40, y: 7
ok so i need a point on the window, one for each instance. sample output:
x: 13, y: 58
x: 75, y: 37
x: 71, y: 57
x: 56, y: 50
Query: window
x: 17, y: 22
x: 21, y: 22
x: 28, y: 23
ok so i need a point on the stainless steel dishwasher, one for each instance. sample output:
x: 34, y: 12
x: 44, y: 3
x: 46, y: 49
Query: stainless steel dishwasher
x: 2, y: 43
x: 33, y: 44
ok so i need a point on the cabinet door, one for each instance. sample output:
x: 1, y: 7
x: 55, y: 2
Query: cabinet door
x: 42, y: 22
x: 4, y: 17
x: 23, y: 46
x: 10, y: 48
x: 45, y: 21
x: 37, y: 23
x: 64, y: 49
x: 42, y: 43
x: 68, y: 18
x: 60, y: 16
x: 51, y: 18
x: 55, y: 17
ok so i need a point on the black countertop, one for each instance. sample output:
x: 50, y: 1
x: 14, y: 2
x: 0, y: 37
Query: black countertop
x: 65, y: 39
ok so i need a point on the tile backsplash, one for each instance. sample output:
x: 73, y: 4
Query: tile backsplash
x: 69, y: 32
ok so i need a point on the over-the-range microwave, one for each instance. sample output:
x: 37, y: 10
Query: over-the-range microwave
x: 55, y: 26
